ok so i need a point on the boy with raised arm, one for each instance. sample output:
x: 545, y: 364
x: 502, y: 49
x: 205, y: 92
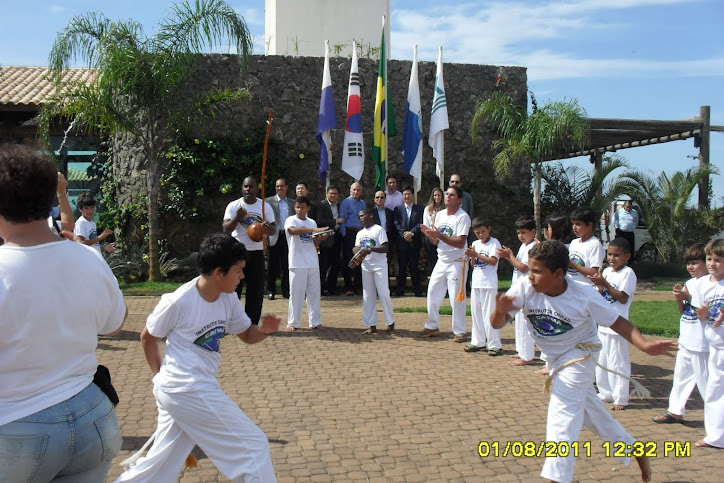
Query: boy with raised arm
x: 562, y: 316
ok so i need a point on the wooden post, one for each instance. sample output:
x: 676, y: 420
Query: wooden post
x: 597, y: 162
x: 705, y: 115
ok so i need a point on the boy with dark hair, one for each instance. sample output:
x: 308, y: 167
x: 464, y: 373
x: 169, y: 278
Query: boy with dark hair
x: 484, y: 260
x: 192, y: 408
x: 85, y: 228
x: 691, y: 361
x: 373, y: 240
x: 617, y: 284
x: 586, y: 251
x: 560, y: 315
x: 525, y: 229
x: 708, y: 298
x: 304, y: 282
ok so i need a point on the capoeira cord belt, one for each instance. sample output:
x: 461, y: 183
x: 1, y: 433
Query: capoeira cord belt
x: 638, y: 391
x: 131, y: 461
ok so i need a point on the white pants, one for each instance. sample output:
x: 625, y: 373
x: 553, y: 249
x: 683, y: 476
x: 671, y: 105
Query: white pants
x: 304, y: 281
x: 690, y: 370
x: 523, y: 340
x: 208, y: 418
x: 714, y: 399
x: 445, y: 277
x: 614, y: 355
x: 574, y: 404
x: 482, y: 303
x: 375, y: 283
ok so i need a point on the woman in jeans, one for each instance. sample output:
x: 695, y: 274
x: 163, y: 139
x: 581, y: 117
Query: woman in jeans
x: 56, y: 297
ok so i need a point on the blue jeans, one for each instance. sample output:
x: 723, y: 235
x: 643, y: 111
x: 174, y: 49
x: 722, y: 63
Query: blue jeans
x: 73, y: 441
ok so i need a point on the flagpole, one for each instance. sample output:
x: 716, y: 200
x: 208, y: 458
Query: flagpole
x: 442, y: 150
x: 414, y: 59
x: 329, y: 165
x: 387, y: 97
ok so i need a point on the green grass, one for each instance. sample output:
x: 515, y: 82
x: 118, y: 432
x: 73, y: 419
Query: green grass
x: 651, y: 318
x: 665, y: 284
x: 147, y: 288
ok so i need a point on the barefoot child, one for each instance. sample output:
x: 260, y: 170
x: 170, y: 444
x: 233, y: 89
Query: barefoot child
x: 192, y: 408
x: 561, y: 315
x: 617, y: 285
x: 691, y: 361
x: 303, y: 266
x: 708, y: 298
x: 484, y: 259
x: 525, y: 229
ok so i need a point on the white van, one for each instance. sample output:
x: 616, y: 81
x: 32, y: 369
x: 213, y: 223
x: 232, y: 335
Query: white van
x: 644, y: 251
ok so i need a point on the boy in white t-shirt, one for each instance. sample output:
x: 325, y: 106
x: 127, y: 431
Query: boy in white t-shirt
x: 617, y: 284
x: 85, y: 230
x: 708, y: 298
x: 585, y: 252
x: 484, y: 259
x: 372, y: 239
x: 691, y: 361
x: 192, y: 408
x: 562, y: 315
x: 525, y: 229
x: 303, y: 266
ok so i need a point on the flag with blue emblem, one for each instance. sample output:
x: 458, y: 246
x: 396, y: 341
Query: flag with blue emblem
x: 438, y: 121
x: 327, y: 119
x: 412, y: 134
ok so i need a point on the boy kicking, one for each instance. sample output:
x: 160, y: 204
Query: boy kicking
x: 559, y: 313
x: 192, y: 408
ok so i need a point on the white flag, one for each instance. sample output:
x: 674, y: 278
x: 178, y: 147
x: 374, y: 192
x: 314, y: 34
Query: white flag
x: 353, y: 158
x: 438, y: 121
x: 412, y: 134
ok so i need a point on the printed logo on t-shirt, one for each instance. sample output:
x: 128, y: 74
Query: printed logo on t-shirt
x: 446, y: 230
x: 479, y: 264
x: 689, y: 314
x: 209, y: 336
x: 715, y: 303
x: 251, y: 218
x: 367, y: 242
x: 548, y: 325
x: 607, y: 296
x: 306, y: 238
x: 577, y: 259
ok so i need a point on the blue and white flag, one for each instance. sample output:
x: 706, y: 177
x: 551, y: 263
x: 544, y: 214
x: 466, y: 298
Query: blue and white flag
x: 412, y: 134
x: 438, y: 121
x: 353, y: 158
x: 327, y: 119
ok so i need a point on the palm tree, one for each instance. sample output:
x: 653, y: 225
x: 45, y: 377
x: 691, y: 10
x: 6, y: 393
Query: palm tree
x: 557, y: 128
x: 567, y: 188
x: 136, y: 87
x: 664, y: 201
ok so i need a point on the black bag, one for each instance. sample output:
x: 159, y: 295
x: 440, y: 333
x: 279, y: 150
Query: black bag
x: 102, y: 379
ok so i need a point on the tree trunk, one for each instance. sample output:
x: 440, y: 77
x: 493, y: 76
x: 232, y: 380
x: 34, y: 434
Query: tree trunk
x: 537, y: 174
x: 153, y: 183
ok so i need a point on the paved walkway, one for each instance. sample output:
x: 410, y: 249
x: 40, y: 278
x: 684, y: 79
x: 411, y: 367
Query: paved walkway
x: 340, y: 406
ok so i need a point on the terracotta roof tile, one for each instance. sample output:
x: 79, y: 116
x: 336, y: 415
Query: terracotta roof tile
x: 30, y: 86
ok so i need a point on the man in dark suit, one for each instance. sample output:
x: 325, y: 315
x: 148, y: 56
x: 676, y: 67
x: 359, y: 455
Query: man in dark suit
x: 385, y: 218
x: 283, y: 207
x: 326, y: 213
x: 408, y: 218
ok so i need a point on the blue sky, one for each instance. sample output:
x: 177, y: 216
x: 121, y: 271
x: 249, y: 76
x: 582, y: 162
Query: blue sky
x: 637, y: 59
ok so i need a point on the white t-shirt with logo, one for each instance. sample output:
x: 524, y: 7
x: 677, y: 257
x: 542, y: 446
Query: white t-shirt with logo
x: 193, y: 329
x: 456, y: 224
x: 253, y: 215
x: 373, y: 236
x: 691, y: 329
x: 587, y: 254
x: 709, y: 291
x: 558, y: 323
x: 485, y: 275
x: 302, y: 251
x: 625, y: 281
x: 87, y: 229
x: 522, y: 257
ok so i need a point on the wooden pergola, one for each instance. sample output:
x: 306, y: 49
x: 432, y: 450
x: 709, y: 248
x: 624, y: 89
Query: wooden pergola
x: 611, y: 135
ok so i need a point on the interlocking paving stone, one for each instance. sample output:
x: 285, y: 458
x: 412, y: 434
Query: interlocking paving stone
x: 340, y: 406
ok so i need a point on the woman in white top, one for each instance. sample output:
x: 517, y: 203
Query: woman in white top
x: 54, y: 421
x: 435, y: 204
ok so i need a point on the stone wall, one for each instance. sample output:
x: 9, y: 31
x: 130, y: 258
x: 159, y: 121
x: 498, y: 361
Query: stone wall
x: 291, y: 86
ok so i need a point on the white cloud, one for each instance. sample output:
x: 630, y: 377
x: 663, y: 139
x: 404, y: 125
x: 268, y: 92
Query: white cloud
x: 524, y: 34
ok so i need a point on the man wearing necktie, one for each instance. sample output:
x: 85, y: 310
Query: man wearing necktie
x: 408, y: 218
